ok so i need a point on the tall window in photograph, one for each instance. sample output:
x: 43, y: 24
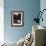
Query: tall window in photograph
x: 17, y: 18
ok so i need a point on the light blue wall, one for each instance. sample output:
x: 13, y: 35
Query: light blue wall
x: 43, y: 6
x: 30, y: 7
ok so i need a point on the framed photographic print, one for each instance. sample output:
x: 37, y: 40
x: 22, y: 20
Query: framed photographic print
x: 17, y: 18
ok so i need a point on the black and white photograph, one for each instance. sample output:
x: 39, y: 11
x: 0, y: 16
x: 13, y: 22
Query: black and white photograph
x: 17, y: 18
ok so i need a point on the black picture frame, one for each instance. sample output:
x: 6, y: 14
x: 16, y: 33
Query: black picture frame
x: 17, y: 18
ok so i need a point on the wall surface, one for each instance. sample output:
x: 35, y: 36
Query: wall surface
x: 43, y: 6
x: 30, y: 7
